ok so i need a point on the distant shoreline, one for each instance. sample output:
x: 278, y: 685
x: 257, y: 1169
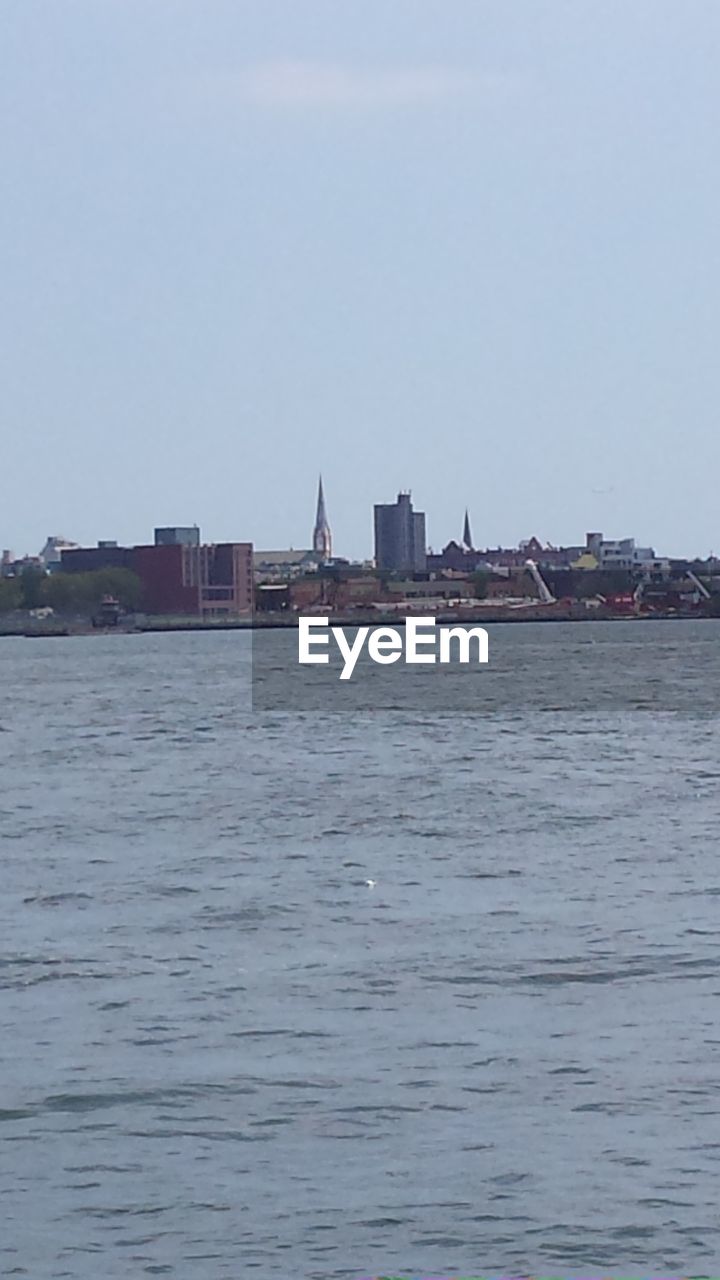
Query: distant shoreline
x: 56, y: 628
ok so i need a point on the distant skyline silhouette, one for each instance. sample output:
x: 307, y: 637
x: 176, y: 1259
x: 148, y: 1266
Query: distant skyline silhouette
x: 467, y: 249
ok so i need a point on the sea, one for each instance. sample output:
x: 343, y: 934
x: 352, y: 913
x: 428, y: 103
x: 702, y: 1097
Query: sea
x: 374, y: 989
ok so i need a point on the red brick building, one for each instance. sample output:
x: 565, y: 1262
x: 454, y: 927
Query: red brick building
x: 206, y: 580
x: 210, y: 580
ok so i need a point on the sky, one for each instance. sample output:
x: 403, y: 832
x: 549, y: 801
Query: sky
x: 469, y: 248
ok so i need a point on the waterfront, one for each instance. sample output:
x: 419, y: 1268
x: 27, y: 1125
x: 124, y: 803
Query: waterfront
x: 224, y: 1054
x: 55, y: 627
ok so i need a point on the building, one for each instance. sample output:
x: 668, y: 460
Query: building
x: 178, y: 535
x: 400, y: 536
x: 52, y: 551
x: 281, y: 566
x: 618, y: 553
x: 455, y: 558
x: 322, y: 537
x: 204, y: 580
x: 459, y: 558
x: 106, y: 555
x: 11, y: 567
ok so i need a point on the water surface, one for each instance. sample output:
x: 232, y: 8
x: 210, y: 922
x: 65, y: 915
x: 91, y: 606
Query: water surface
x: 223, y: 1054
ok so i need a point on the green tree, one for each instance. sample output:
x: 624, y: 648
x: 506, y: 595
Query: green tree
x: 480, y: 583
x: 31, y: 588
x: 10, y: 595
x: 121, y: 583
x: 63, y: 592
x: 83, y: 592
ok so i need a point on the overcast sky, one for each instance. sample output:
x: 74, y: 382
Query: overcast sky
x: 466, y: 248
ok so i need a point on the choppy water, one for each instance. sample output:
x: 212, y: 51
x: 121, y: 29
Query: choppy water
x: 223, y: 1054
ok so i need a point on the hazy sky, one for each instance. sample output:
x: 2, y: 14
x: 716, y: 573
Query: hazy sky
x: 466, y: 248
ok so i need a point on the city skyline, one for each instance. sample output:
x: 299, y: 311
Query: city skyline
x: 118, y: 527
x: 399, y: 537
x: 467, y: 246
x: 455, y: 531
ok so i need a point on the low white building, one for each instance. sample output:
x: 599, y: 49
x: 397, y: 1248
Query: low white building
x: 51, y: 553
x: 618, y: 553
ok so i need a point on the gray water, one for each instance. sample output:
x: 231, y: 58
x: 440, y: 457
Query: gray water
x: 223, y: 1054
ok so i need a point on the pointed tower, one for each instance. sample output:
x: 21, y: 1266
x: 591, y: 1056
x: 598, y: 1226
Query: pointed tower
x: 467, y: 536
x: 322, y: 537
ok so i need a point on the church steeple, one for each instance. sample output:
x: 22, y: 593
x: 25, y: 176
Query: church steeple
x: 322, y: 537
x: 467, y: 536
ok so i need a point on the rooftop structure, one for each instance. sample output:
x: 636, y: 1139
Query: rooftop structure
x: 177, y: 536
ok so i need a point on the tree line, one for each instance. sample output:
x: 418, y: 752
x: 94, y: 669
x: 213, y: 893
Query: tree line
x: 69, y: 592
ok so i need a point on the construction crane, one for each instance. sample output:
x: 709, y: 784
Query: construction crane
x: 697, y: 583
x: 544, y: 591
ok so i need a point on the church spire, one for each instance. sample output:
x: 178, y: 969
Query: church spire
x: 467, y: 536
x: 322, y: 537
